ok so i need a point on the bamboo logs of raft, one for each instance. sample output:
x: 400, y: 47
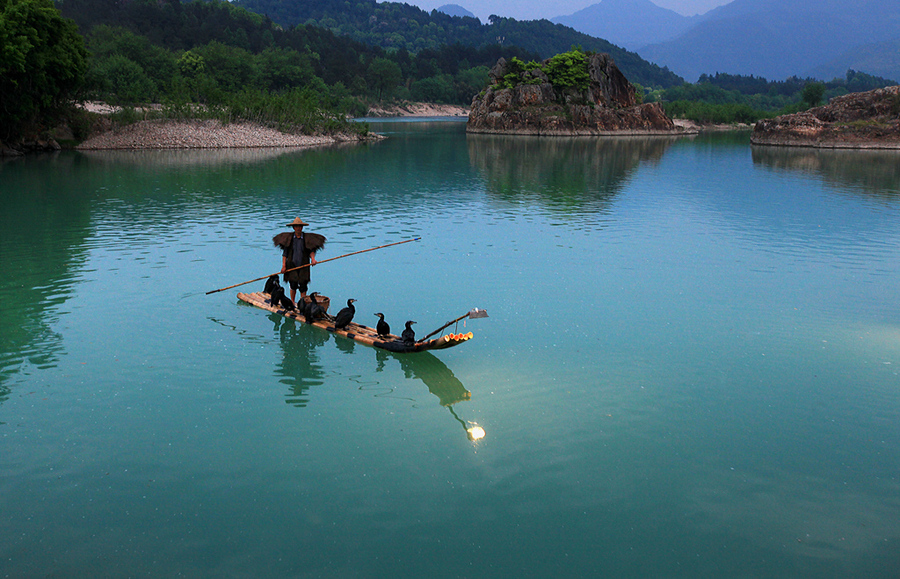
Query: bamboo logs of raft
x: 358, y: 332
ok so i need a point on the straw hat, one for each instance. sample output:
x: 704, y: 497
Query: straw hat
x: 297, y: 221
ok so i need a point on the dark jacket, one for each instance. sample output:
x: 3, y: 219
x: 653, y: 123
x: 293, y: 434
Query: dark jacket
x: 313, y: 242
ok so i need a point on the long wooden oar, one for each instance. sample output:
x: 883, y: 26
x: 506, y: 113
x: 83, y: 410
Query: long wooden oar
x: 309, y: 264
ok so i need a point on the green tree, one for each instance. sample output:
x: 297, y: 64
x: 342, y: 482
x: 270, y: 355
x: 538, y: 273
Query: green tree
x: 123, y: 81
x: 281, y: 69
x: 106, y: 43
x: 232, y: 68
x: 194, y: 84
x: 435, y: 89
x: 813, y: 93
x: 191, y: 64
x: 42, y: 63
x: 384, y: 75
x: 569, y: 69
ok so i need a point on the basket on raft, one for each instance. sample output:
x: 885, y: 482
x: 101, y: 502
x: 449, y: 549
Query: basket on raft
x: 323, y: 301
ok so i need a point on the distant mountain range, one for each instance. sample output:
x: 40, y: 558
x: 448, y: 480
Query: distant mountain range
x: 631, y: 24
x: 774, y: 39
x: 454, y: 10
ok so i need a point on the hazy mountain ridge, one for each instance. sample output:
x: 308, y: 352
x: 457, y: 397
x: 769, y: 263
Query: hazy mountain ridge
x: 455, y: 10
x: 631, y: 24
x: 775, y: 39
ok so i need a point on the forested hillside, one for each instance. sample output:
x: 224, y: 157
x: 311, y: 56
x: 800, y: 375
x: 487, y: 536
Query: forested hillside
x: 729, y: 98
x: 394, y: 25
x: 201, y: 51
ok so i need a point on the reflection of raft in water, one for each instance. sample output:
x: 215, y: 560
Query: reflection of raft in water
x: 361, y: 334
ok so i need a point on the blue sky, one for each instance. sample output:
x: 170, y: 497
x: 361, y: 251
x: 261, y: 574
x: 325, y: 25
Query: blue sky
x: 536, y: 9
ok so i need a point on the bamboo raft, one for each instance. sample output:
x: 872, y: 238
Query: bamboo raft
x: 362, y: 334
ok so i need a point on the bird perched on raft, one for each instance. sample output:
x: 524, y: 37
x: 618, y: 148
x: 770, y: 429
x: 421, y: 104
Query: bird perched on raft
x: 382, y: 327
x: 277, y: 298
x: 345, y: 316
x: 409, y: 335
x: 270, y: 284
x: 275, y: 292
x: 314, y: 311
x: 303, y: 307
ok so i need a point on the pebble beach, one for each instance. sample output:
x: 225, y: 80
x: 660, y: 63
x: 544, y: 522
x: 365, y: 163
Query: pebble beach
x: 213, y: 134
x: 207, y: 134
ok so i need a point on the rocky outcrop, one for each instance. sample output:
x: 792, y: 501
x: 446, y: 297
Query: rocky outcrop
x: 46, y: 141
x: 866, y: 120
x: 31, y: 145
x: 538, y: 107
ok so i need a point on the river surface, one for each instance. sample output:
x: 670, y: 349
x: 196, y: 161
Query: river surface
x: 689, y: 368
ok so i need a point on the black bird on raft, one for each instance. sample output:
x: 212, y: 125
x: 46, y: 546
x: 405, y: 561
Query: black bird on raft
x: 382, y: 327
x: 408, y: 336
x: 314, y: 311
x: 270, y: 284
x: 275, y: 295
x: 345, y: 316
x: 286, y: 303
x: 302, y: 306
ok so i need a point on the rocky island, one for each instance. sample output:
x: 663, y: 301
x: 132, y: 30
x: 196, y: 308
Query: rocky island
x: 569, y: 94
x: 865, y: 120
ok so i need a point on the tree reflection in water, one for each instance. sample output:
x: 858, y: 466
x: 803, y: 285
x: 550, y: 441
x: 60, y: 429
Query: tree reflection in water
x: 871, y: 172
x: 574, y: 172
x: 43, y: 230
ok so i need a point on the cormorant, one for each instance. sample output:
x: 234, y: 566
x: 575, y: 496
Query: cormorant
x: 382, y: 327
x: 277, y: 298
x: 303, y: 307
x: 275, y: 295
x: 314, y: 311
x: 270, y: 284
x: 345, y: 316
x: 409, y: 336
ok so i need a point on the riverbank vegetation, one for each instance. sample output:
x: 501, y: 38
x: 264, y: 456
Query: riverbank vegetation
x: 727, y: 98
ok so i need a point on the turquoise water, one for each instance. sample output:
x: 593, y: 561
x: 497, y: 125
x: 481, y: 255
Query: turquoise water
x: 690, y: 368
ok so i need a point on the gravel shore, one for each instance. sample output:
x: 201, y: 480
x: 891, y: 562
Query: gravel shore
x: 210, y: 134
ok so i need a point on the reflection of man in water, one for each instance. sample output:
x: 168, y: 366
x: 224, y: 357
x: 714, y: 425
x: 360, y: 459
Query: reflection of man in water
x: 299, y: 368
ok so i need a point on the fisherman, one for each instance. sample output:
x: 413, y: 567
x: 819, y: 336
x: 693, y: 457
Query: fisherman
x: 298, y: 248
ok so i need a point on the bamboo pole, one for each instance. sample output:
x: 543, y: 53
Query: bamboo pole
x: 309, y: 264
x: 466, y: 315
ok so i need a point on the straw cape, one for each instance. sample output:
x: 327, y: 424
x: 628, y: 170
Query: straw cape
x: 313, y: 241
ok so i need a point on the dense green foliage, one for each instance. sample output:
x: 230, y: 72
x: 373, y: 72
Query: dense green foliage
x: 567, y: 70
x: 812, y: 93
x: 725, y: 98
x: 854, y: 81
x: 204, y: 50
x: 394, y: 25
x: 42, y: 63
